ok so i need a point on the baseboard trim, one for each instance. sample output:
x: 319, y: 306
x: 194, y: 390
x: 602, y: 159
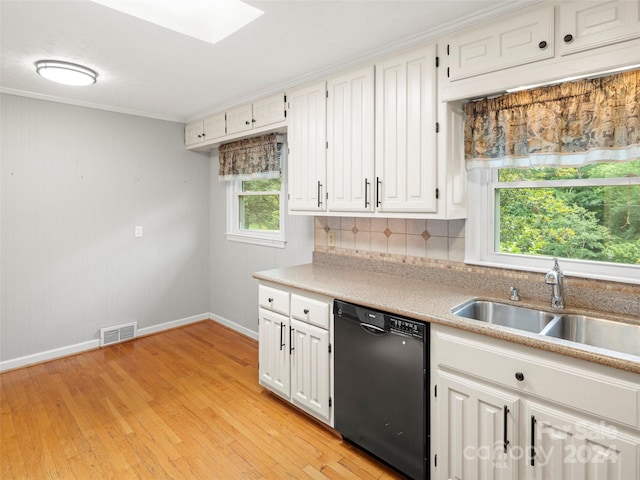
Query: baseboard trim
x: 172, y: 324
x: 233, y: 326
x: 48, y: 355
x: 56, y: 353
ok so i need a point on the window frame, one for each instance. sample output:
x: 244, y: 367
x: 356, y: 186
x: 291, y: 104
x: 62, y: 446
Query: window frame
x: 255, y: 237
x: 481, y: 226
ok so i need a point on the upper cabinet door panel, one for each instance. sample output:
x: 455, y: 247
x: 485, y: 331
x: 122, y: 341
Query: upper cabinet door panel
x: 307, y: 139
x: 193, y: 133
x: 406, y: 156
x: 350, y: 127
x: 239, y: 119
x: 586, y: 25
x: 268, y: 111
x: 516, y: 41
x: 215, y: 126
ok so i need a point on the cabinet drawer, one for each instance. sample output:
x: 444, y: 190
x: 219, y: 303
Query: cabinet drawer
x: 273, y: 299
x: 569, y: 382
x: 310, y: 311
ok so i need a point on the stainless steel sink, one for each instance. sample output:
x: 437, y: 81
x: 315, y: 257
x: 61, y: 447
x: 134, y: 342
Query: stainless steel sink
x: 597, y: 332
x: 505, y: 315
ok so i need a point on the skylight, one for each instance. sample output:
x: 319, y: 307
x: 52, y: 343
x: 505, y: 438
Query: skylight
x: 207, y: 20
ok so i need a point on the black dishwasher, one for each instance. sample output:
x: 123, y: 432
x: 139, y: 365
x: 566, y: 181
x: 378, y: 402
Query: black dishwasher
x: 381, y: 380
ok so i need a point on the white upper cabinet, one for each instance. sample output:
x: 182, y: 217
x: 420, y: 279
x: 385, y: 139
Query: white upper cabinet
x: 306, y: 136
x: 406, y: 156
x: 542, y: 44
x: 265, y: 112
x: 200, y: 131
x: 239, y: 119
x: 350, y: 141
x: 269, y: 110
x: 262, y: 116
x: 586, y: 25
x: 503, y: 44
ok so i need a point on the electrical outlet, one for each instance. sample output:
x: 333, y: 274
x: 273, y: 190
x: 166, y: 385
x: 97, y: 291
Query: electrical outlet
x: 331, y: 239
x: 137, y: 233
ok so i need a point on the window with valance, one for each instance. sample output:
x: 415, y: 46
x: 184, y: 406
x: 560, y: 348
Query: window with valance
x: 570, y: 124
x: 251, y: 158
x: 252, y: 168
x: 555, y: 172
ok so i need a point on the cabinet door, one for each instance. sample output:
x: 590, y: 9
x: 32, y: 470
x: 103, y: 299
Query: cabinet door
x: 269, y: 111
x: 306, y: 137
x: 508, y: 43
x: 214, y: 127
x: 239, y: 119
x: 350, y: 127
x: 586, y: 25
x: 310, y: 368
x: 561, y: 446
x: 478, y: 430
x: 274, y: 368
x: 406, y: 133
x: 193, y: 133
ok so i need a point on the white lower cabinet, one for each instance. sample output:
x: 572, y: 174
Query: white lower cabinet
x: 310, y: 368
x: 505, y: 411
x: 480, y: 429
x: 295, y: 349
x: 274, y: 352
x: 566, y: 446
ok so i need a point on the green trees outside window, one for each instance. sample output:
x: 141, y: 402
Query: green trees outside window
x: 259, y: 205
x: 571, y: 212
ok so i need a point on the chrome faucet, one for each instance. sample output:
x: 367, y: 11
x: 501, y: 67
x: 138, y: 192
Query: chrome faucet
x: 554, y: 278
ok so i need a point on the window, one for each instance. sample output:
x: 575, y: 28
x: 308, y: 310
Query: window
x: 587, y: 216
x: 256, y: 213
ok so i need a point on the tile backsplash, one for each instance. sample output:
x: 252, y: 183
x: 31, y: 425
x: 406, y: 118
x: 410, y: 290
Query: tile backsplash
x: 432, y: 239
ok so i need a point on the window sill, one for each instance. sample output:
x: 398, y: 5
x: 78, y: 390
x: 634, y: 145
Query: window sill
x: 255, y: 239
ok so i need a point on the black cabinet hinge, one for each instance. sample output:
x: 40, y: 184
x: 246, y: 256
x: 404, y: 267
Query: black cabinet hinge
x: 329, y: 348
x: 437, y: 62
x: 447, y: 49
x: 437, y: 193
x: 447, y: 72
x: 435, y: 391
x: 437, y: 127
x: 285, y: 99
x: 285, y: 113
x: 330, y: 402
x: 326, y: 93
x: 327, y: 144
x: 435, y: 460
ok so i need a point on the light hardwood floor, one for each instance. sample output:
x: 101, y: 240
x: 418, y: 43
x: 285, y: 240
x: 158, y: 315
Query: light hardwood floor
x: 182, y: 404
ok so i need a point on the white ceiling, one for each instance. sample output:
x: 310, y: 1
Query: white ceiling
x: 148, y: 70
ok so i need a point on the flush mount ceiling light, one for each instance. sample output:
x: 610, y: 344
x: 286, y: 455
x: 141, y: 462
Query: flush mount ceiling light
x: 207, y: 20
x: 66, y: 73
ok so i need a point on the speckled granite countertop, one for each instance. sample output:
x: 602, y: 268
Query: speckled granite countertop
x: 430, y: 302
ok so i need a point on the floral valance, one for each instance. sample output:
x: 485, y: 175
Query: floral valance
x: 571, y: 124
x: 250, y: 159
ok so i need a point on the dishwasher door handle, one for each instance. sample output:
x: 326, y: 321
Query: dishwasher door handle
x: 372, y: 329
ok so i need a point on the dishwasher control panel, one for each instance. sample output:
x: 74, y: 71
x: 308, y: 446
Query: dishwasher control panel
x: 406, y: 327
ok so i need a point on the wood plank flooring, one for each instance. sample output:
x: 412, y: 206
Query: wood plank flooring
x: 182, y: 404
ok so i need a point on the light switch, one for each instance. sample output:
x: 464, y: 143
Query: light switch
x: 138, y: 231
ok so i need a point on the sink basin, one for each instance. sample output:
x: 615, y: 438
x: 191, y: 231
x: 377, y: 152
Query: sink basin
x: 505, y: 315
x: 597, y: 332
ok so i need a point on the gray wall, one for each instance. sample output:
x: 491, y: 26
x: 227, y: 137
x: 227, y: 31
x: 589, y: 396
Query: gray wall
x: 75, y: 182
x: 233, y: 293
